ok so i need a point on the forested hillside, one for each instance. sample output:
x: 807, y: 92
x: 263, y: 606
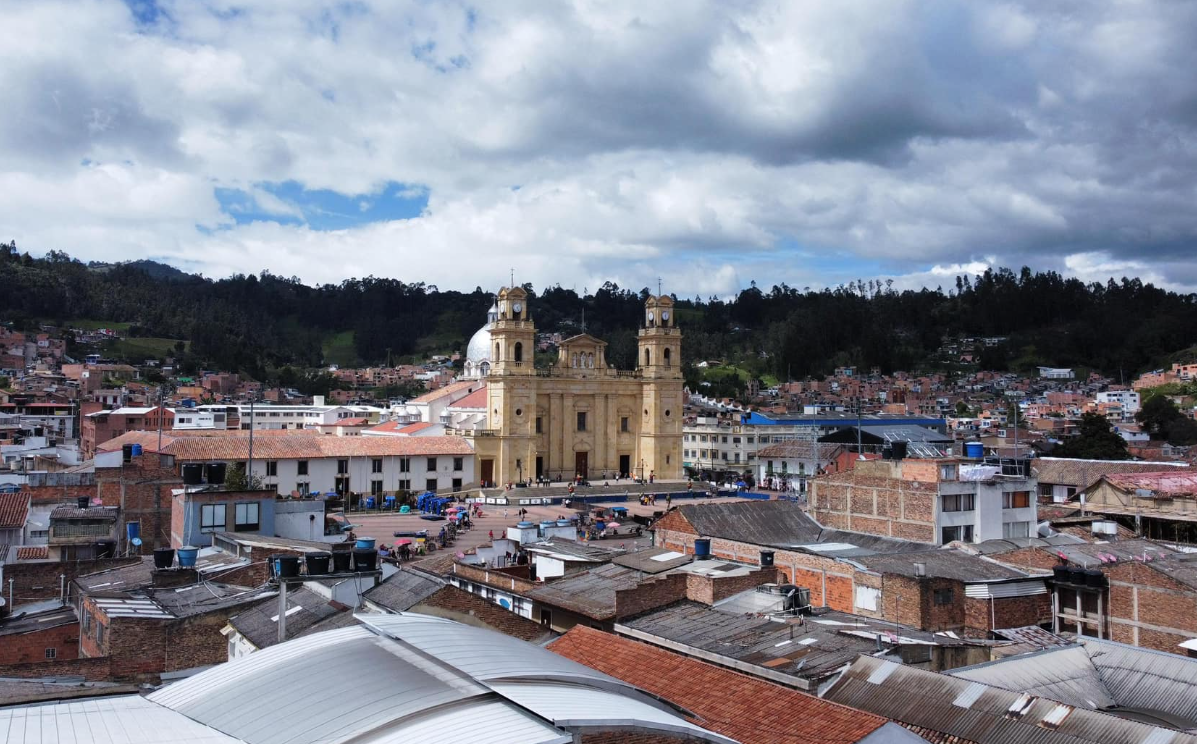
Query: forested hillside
x: 259, y: 324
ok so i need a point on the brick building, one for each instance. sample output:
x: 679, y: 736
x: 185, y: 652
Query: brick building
x: 141, y: 487
x: 41, y: 636
x: 896, y: 580
x: 1138, y: 592
x: 937, y: 501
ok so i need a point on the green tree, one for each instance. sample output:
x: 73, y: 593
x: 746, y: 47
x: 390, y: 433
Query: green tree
x: 235, y: 479
x: 962, y: 410
x: 1094, y: 440
x: 1163, y: 420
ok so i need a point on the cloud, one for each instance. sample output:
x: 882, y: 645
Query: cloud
x: 810, y: 143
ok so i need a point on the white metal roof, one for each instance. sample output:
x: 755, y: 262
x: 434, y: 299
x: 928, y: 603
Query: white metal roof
x: 114, y: 720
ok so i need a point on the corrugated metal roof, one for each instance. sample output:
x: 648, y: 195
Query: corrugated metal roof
x: 115, y: 720
x: 1064, y: 674
x: 579, y: 707
x: 404, y: 589
x: 925, y: 699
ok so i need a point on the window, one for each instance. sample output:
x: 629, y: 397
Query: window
x: 519, y: 352
x: 99, y: 634
x: 957, y: 502
x: 431, y: 464
x: 1016, y: 529
x: 1016, y: 499
x: 735, y: 440
x: 947, y: 472
x: 750, y: 440
x: 271, y: 469
x: 581, y: 421
x: 51, y: 653
x: 404, y: 485
x: 376, y: 465
x: 302, y: 488
x: 725, y: 440
x: 246, y: 518
x: 302, y: 465
x: 430, y: 484
x: 764, y: 440
x: 539, y: 425
x: 647, y: 358
x: 769, y: 466
x: 962, y: 532
x: 342, y: 467
x: 666, y: 356
x: 944, y: 597
x: 376, y: 487
x: 86, y: 623
x: 623, y: 423
x: 404, y: 464
x: 456, y: 484
x: 458, y: 464
x: 34, y: 534
x: 212, y: 518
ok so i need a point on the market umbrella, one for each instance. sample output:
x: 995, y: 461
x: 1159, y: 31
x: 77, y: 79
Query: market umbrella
x: 404, y: 541
x: 612, y: 525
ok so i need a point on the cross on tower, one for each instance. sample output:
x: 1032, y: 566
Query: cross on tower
x: 658, y: 286
x: 513, y: 276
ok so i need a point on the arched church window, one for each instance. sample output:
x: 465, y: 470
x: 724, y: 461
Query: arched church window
x: 519, y: 351
x: 497, y: 354
x: 574, y: 360
x: 647, y: 358
x: 666, y: 357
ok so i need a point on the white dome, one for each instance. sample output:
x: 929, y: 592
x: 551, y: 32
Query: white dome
x: 478, y: 349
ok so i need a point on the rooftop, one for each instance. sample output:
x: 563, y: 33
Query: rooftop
x: 305, y: 608
x: 1102, y: 675
x: 70, y: 511
x: 31, y: 621
x: 439, y: 393
x: 653, y: 560
x: 944, y: 563
x: 974, y: 711
x: 14, y: 508
x: 744, y: 708
x: 404, y: 589
x: 1084, y: 473
x: 1159, y: 483
x: 299, y: 445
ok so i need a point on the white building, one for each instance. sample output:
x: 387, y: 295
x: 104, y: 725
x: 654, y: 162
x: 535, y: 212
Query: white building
x: 1128, y: 399
x: 307, y: 462
x: 1055, y: 373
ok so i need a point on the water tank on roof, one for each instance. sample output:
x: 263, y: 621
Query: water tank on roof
x: 193, y: 474
x: 1095, y: 578
x: 702, y: 549
x: 525, y: 525
x: 285, y: 566
x: 187, y: 555
x: 974, y: 450
x: 898, y: 447
x: 365, y: 560
x: 766, y: 558
x: 83, y: 502
x: 136, y: 450
x: 317, y: 562
x: 216, y: 472
x: 163, y: 557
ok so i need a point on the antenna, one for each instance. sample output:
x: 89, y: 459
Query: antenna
x: 658, y: 286
x: 513, y: 276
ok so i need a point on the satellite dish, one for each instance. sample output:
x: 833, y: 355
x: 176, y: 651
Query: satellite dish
x: 136, y: 541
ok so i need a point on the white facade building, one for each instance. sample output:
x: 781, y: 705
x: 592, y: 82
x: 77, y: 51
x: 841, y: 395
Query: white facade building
x: 1128, y: 399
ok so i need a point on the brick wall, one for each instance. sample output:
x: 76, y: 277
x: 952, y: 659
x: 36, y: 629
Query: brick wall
x: 1029, y: 558
x: 650, y: 595
x: 142, y: 489
x: 1148, y: 608
x: 869, y: 499
x: 462, y: 606
x: 93, y: 670
x: 33, y: 582
x: 58, y: 494
x: 983, y: 615
x: 25, y: 648
x: 497, y: 579
x: 632, y: 737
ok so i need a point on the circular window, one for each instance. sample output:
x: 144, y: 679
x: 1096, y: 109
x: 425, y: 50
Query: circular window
x: 645, y: 411
x: 666, y: 413
x: 519, y: 412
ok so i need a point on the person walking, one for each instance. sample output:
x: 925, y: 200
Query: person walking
x: 491, y: 535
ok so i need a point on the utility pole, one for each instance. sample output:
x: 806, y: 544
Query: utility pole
x: 249, y: 469
x: 161, y: 412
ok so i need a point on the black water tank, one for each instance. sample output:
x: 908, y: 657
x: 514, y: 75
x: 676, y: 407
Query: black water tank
x: 899, y: 449
x: 1077, y: 576
x: 317, y: 562
x: 365, y: 559
x: 216, y: 473
x: 164, y: 557
x: 1093, y: 577
x: 82, y: 502
x: 285, y: 566
x: 789, y: 594
x: 766, y: 558
x: 127, y: 452
x: 341, y: 560
x: 193, y: 474
x: 1062, y: 574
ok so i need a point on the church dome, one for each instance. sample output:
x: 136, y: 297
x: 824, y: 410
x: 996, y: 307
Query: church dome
x: 478, y: 361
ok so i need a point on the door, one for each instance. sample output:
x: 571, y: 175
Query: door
x: 581, y: 461
x: 625, y: 465
x: 539, y: 468
x: 488, y: 471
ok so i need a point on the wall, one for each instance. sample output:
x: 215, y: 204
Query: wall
x: 26, y: 648
x: 142, y: 489
x: 982, y: 615
x: 457, y: 604
x: 36, y: 582
x: 92, y: 670
x: 293, y: 519
x: 186, y: 515
x: 1148, y: 608
x: 871, y: 499
x: 322, y: 473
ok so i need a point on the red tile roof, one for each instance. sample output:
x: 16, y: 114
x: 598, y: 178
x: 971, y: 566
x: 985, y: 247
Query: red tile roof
x: 442, y: 392
x: 301, y: 445
x: 750, y: 710
x: 1171, y: 482
x: 476, y: 399
x: 413, y: 428
x: 14, y: 508
x: 33, y: 553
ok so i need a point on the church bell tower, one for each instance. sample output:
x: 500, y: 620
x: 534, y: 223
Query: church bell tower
x: 660, y: 362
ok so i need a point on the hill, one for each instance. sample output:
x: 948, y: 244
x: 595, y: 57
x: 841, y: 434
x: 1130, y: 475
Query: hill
x: 260, y: 324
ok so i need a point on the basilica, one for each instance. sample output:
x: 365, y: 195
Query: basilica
x: 579, y: 417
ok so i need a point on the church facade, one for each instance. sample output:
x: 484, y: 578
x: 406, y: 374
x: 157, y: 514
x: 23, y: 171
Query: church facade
x: 579, y: 416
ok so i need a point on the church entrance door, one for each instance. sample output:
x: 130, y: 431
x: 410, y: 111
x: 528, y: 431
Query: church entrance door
x: 625, y: 465
x: 488, y: 471
x: 581, y: 461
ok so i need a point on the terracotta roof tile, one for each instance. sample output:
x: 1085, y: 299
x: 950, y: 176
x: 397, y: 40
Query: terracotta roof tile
x: 299, y: 446
x: 750, y: 710
x: 1171, y: 482
x: 476, y: 399
x: 14, y: 508
x: 33, y: 553
x: 442, y: 392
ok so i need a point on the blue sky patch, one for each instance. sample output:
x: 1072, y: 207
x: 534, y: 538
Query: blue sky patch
x: 289, y: 203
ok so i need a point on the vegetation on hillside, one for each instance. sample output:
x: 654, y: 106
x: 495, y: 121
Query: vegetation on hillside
x: 262, y: 324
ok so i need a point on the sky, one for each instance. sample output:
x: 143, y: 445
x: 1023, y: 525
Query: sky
x: 708, y: 144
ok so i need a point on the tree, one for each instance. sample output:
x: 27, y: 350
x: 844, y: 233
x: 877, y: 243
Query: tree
x: 962, y: 410
x: 1163, y: 420
x: 1095, y: 440
x: 235, y: 480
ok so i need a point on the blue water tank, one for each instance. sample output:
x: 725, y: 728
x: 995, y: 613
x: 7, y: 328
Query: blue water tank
x: 132, y: 530
x: 525, y: 525
x: 187, y: 556
x: 364, y: 543
x: 974, y: 450
x: 702, y: 549
x: 370, y: 502
x: 136, y: 450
